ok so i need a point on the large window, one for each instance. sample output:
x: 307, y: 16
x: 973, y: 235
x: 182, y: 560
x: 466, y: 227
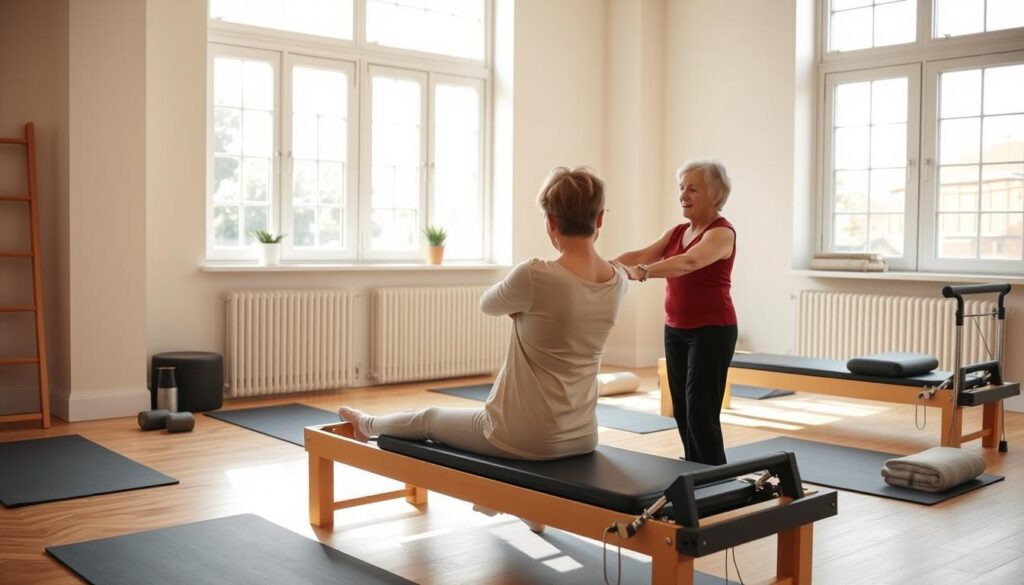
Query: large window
x: 922, y: 133
x: 349, y: 134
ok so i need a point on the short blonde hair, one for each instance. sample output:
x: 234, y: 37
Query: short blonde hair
x: 715, y: 176
x: 573, y: 199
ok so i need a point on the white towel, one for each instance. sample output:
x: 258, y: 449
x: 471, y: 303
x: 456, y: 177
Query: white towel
x: 934, y: 470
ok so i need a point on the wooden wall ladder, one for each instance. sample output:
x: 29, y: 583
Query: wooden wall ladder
x: 32, y: 198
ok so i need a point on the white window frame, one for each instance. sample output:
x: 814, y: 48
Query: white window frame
x: 484, y: 203
x: 913, y: 75
x: 351, y: 251
x: 366, y: 190
x: 927, y: 54
x: 273, y: 221
x: 929, y: 171
x: 288, y: 46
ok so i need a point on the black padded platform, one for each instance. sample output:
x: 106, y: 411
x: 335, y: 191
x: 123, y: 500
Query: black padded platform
x: 790, y: 364
x: 611, y: 478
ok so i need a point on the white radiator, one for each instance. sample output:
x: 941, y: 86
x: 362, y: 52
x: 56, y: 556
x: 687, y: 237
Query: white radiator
x: 281, y: 341
x: 431, y: 333
x: 835, y: 325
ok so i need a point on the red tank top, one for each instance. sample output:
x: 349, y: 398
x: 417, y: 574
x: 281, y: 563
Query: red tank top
x: 700, y: 298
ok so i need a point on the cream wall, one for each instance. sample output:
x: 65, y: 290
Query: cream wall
x: 34, y: 77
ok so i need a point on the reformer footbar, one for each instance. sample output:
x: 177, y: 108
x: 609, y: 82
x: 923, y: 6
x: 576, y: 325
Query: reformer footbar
x: 994, y: 390
x: 587, y: 494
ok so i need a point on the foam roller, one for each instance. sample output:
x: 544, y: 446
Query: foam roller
x: 617, y: 383
x: 151, y: 420
x: 180, y: 422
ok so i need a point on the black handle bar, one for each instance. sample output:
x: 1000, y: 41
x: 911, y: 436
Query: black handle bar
x: 958, y: 293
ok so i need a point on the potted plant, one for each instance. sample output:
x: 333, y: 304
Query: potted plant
x: 435, y: 237
x: 270, y: 246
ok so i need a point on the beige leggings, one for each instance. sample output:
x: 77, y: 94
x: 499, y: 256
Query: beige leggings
x: 462, y: 428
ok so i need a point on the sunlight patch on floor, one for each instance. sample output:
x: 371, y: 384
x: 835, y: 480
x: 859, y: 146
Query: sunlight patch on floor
x: 731, y: 418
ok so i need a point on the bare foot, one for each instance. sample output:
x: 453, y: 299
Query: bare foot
x: 351, y: 415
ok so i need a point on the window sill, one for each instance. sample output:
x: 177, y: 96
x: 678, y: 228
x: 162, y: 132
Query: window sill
x: 909, y: 276
x: 238, y: 266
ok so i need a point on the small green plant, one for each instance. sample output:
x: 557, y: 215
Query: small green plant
x: 435, y: 235
x: 266, y: 237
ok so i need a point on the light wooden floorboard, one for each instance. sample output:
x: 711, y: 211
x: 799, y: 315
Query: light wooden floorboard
x: 977, y: 538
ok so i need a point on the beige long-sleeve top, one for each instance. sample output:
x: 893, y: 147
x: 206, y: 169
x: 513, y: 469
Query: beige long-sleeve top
x: 543, y: 403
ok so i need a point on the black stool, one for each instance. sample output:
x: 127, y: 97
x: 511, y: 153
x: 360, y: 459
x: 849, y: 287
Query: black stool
x: 200, y: 378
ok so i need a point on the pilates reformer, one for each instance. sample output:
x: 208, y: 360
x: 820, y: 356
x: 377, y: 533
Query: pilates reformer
x: 668, y: 509
x: 969, y: 385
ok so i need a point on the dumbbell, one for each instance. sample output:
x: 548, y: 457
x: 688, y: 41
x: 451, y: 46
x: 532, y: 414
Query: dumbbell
x: 151, y: 420
x: 174, y: 422
x: 180, y: 422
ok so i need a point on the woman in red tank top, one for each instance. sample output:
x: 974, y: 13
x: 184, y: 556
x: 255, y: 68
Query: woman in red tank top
x: 696, y: 258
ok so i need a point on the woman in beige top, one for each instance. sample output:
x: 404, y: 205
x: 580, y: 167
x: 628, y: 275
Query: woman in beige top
x: 543, y: 403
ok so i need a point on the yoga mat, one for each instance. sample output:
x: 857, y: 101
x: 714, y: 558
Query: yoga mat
x: 66, y: 467
x: 285, y: 422
x: 609, y: 416
x: 755, y: 393
x: 237, y: 550
x: 848, y: 468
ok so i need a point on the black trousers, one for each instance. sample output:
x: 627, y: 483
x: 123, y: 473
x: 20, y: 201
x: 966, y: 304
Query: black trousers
x: 698, y: 362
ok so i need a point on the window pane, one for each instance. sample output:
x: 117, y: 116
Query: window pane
x: 960, y: 94
x: 888, y: 145
x: 1002, y: 187
x: 256, y: 218
x: 1001, y: 236
x: 227, y: 184
x: 1003, y: 139
x: 852, y: 148
x: 851, y: 191
x: 959, y: 17
x: 853, y: 104
x: 458, y: 159
x: 888, y: 192
x: 895, y: 23
x: 396, y: 163
x: 889, y: 101
x: 838, y: 5
x: 850, y: 233
x: 885, y: 235
x: 454, y: 28
x: 243, y: 143
x: 328, y: 18
x: 958, y: 188
x: 1002, y: 14
x: 1004, y: 89
x: 303, y: 220
x: 225, y: 225
x: 959, y: 141
x: 851, y: 30
x: 320, y: 151
x: 256, y: 177
x: 227, y: 89
x: 958, y: 235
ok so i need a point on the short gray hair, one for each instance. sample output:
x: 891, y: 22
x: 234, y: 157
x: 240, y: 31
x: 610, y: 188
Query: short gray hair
x: 715, y: 175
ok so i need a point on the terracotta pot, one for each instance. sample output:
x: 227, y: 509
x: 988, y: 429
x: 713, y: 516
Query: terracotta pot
x: 435, y: 254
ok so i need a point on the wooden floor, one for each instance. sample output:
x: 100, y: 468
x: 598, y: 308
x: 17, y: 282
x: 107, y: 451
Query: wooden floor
x: 973, y: 539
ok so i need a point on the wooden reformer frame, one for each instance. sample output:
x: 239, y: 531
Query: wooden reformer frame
x: 949, y: 400
x: 660, y: 539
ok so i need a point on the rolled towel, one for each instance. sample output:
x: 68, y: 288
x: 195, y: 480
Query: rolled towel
x: 617, y: 383
x: 934, y: 470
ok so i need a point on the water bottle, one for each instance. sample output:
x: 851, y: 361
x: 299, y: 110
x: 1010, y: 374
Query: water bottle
x: 166, y: 389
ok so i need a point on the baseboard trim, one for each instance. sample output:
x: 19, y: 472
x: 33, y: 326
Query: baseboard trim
x: 101, y: 404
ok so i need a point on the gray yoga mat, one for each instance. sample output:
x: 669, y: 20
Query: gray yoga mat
x: 848, y: 468
x: 70, y: 466
x: 237, y: 550
x: 609, y: 416
x: 285, y: 422
x: 755, y: 393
